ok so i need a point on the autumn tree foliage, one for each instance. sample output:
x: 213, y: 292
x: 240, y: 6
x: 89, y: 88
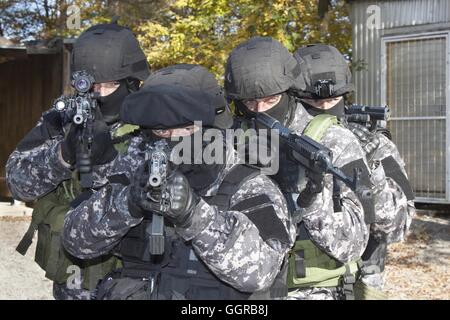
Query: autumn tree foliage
x: 188, y: 31
x: 195, y: 31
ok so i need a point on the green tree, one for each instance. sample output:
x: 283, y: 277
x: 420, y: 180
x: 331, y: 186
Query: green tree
x: 23, y: 20
x: 205, y: 32
x: 187, y: 31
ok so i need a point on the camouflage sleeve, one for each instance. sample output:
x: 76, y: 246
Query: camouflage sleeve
x: 32, y: 173
x: 385, y: 149
x: 394, y: 211
x: 238, y: 251
x: 343, y: 235
x: 97, y: 225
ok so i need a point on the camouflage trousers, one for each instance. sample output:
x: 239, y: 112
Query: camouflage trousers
x: 313, y: 294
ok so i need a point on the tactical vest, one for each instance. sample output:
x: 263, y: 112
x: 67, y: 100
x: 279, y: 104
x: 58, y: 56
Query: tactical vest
x: 48, y: 220
x: 308, y: 265
x: 178, y: 271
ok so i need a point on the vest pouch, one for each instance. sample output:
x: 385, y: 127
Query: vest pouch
x: 311, y: 267
x: 50, y: 254
x: 174, y: 287
x: 95, y: 270
x: 49, y: 217
x: 203, y: 291
x: 43, y: 238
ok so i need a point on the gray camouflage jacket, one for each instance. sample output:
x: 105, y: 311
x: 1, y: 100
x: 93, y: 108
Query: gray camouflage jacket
x: 393, y: 217
x: 226, y: 241
x: 32, y: 173
x: 343, y: 235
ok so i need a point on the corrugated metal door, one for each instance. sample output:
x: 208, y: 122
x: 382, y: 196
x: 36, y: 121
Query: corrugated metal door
x: 416, y: 90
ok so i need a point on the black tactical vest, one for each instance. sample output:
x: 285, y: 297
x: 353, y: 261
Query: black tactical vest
x: 178, y: 271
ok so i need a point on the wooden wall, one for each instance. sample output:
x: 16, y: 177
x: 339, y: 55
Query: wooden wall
x: 27, y: 88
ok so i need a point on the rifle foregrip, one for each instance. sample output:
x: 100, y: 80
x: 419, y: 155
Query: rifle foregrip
x: 157, y: 235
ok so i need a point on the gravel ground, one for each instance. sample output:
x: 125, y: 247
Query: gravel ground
x: 416, y: 269
x: 20, y: 276
x: 419, y: 268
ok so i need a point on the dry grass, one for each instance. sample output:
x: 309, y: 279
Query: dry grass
x: 419, y: 268
x: 14, y: 219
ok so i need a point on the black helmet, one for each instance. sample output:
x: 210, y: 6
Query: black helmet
x: 177, y: 95
x: 325, y: 72
x: 260, y: 67
x: 109, y: 52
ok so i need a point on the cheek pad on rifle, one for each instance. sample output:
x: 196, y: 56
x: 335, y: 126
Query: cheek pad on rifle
x: 363, y: 183
x: 393, y: 170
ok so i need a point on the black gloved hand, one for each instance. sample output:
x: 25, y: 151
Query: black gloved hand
x: 369, y: 141
x: 181, y: 198
x: 52, y: 122
x: 69, y: 144
x: 50, y: 127
x: 102, y: 148
x: 313, y: 187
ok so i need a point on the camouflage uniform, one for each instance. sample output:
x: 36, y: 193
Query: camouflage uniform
x: 35, y: 170
x: 30, y: 174
x: 226, y: 241
x: 394, y: 225
x: 33, y: 173
x: 342, y: 235
x: 393, y: 217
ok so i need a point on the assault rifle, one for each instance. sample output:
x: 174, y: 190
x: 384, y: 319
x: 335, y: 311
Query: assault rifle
x: 158, y: 168
x: 79, y: 109
x: 368, y: 116
x: 313, y: 156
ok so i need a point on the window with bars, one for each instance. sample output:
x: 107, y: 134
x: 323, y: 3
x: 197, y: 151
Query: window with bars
x: 416, y: 73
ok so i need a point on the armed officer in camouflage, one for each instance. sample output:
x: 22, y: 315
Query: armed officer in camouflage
x: 332, y: 231
x: 227, y: 227
x: 324, y: 64
x: 42, y: 167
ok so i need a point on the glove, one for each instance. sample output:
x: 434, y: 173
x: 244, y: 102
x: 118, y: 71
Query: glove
x: 50, y: 128
x: 102, y: 148
x: 52, y: 123
x: 181, y: 198
x: 69, y: 145
x: 369, y: 141
x: 313, y: 187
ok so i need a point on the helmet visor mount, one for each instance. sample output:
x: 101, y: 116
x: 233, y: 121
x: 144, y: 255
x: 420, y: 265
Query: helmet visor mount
x: 324, y: 88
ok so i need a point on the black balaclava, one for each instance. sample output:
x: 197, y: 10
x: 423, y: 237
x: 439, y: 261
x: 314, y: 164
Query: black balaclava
x: 200, y: 176
x: 110, y: 104
x: 281, y: 109
x: 338, y: 110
